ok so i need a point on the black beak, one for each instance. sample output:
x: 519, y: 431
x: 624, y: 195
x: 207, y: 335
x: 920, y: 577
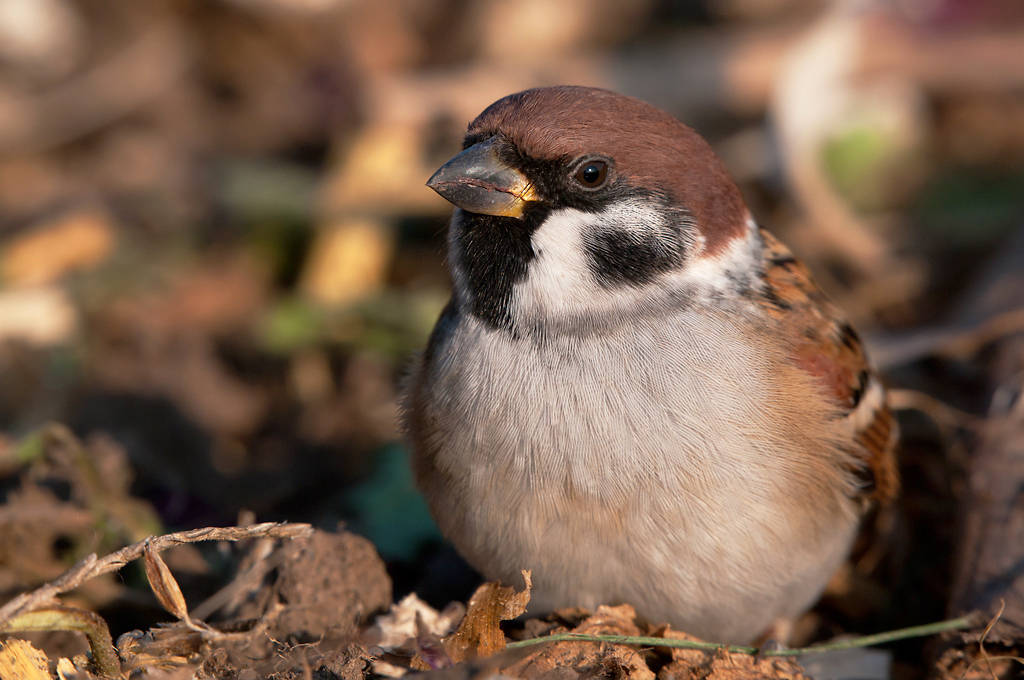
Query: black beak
x: 478, y: 182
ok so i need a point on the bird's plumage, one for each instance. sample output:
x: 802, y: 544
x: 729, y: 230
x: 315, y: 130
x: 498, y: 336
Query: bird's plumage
x: 635, y: 391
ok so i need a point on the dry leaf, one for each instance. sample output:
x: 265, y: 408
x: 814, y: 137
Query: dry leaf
x: 78, y: 240
x: 349, y: 261
x: 88, y: 623
x: 164, y: 586
x: 384, y: 161
x: 66, y: 670
x: 388, y: 670
x: 480, y: 633
x: 430, y: 652
x: 44, y: 315
x: 19, y: 659
x: 392, y: 630
x: 612, y: 660
x: 720, y: 664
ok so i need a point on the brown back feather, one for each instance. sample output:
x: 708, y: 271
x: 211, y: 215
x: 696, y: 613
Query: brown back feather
x: 830, y: 350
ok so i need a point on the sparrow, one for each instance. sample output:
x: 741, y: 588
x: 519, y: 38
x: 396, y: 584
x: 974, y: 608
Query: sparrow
x: 635, y: 392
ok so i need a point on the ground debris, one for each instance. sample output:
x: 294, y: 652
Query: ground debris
x: 71, y: 499
x: 480, y: 634
x: 587, y: 659
x: 217, y: 253
x: 591, y: 658
x: 328, y: 585
x: 390, y: 631
x: 988, y: 577
x: 19, y: 659
x: 720, y: 664
x: 300, y: 614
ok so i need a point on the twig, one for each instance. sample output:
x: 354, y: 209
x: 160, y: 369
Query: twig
x: 951, y: 342
x: 981, y: 641
x: 91, y: 566
x: 983, y: 654
x: 969, y: 343
x: 864, y: 641
x: 941, y: 413
x: 244, y: 582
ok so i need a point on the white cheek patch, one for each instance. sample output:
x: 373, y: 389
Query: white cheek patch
x: 563, y: 287
x: 561, y: 282
x: 560, y: 273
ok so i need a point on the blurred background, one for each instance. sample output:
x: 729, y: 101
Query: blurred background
x: 217, y: 252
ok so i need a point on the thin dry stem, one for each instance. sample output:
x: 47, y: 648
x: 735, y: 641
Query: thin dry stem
x: 69, y: 618
x: 983, y: 654
x: 961, y: 623
x: 969, y: 343
x: 91, y: 567
x: 243, y: 583
x: 941, y: 413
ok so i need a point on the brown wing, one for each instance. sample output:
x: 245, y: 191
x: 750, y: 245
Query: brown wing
x: 830, y: 350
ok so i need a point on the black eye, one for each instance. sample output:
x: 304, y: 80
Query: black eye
x: 592, y: 174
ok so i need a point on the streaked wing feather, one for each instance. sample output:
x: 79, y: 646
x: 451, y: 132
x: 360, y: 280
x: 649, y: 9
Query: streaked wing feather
x: 829, y: 349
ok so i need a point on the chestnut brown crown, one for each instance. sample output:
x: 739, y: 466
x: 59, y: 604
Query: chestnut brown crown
x: 648, y: 147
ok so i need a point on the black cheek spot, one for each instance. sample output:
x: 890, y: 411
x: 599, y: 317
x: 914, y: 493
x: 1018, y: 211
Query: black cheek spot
x: 618, y: 257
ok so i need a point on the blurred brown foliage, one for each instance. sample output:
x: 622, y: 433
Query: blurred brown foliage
x: 217, y: 252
